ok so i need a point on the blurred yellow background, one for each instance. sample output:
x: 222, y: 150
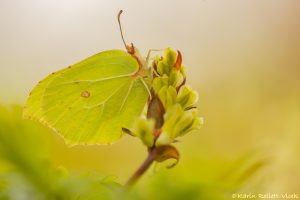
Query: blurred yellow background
x: 243, y: 57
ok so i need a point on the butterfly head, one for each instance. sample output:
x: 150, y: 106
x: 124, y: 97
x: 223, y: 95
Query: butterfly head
x: 130, y: 48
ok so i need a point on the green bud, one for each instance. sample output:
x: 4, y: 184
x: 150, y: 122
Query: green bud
x: 183, y: 70
x: 187, y: 97
x: 178, y: 123
x: 143, y: 129
x: 160, y: 82
x: 168, y: 96
x: 170, y: 56
x: 171, y: 117
x: 165, y: 66
x: 175, y: 78
x: 164, y: 139
x: 187, y: 123
x: 157, y: 58
x: 177, y: 119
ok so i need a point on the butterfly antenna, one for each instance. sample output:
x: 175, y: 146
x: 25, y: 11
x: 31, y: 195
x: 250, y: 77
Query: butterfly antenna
x: 120, y: 26
x: 129, y: 48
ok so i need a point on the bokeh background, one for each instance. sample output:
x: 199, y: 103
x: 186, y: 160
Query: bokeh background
x: 243, y: 57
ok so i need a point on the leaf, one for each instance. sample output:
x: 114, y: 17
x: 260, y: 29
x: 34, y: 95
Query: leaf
x: 24, y: 149
x: 90, y: 102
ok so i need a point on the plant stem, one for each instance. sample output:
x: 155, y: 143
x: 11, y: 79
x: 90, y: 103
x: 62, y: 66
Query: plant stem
x: 141, y: 170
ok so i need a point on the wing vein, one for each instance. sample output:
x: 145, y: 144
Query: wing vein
x: 64, y: 112
x: 126, y: 97
x: 97, y: 80
x: 105, y: 100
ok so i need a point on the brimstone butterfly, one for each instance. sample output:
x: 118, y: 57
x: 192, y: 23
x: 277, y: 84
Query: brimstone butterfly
x: 91, y: 101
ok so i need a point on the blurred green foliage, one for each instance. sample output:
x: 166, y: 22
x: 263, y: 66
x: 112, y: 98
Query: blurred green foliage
x: 26, y: 172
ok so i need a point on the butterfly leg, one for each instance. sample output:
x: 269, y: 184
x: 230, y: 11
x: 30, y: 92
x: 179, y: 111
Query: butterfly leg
x: 149, y: 53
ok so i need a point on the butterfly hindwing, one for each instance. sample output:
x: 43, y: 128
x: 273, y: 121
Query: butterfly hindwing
x: 91, y: 101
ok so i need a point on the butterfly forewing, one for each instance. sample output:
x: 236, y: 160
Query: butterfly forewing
x: 91, y: 101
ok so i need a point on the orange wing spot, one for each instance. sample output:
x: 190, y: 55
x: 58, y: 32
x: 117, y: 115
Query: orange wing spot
x: 85, y: 94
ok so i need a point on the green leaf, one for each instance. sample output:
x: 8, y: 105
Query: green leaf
x: 90, y: 102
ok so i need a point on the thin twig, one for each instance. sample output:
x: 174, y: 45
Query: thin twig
x: 140, y: 171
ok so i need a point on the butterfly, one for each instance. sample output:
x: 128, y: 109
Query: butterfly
x: 91, y: 101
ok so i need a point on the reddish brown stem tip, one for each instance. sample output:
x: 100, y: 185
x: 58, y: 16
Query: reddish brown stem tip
x: 178, y: 60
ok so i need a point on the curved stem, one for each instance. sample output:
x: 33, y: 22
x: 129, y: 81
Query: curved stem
x: 140, y: 171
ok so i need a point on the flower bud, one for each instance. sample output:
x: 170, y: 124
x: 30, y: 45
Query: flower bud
x: 178, y: 123
x: 175, y: 78
x: 168, y: 96
x: 170, y: 56
x: 160, y: 82
x: 187, y: 97
x: 143, y: 129
x: 166, y: 64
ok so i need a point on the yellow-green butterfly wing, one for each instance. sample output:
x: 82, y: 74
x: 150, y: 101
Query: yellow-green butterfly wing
x: 90, y: 102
